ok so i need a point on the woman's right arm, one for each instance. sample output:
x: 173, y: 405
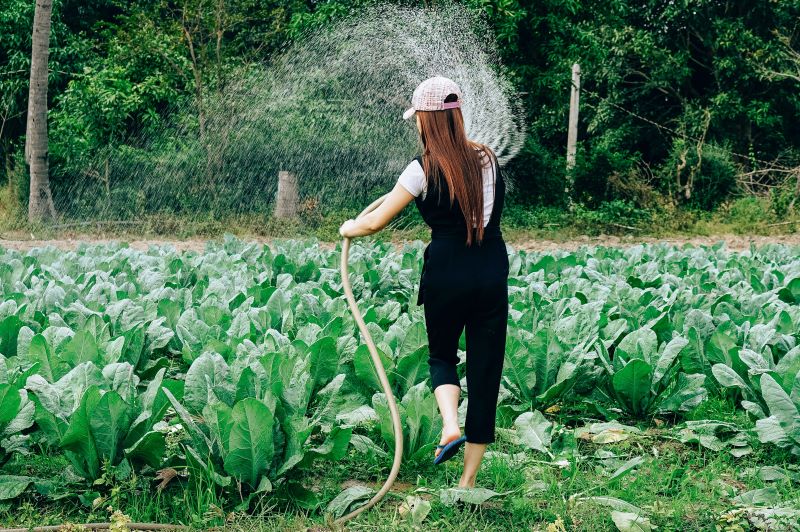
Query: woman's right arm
x: 376, y: 220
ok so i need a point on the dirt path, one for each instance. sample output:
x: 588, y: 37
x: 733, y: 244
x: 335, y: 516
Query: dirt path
x: 734, y: 242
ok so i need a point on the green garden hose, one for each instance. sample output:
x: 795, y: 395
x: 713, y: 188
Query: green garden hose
x: 387, y: 389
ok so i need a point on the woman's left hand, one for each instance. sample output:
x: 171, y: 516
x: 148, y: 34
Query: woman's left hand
x: 346, y: 229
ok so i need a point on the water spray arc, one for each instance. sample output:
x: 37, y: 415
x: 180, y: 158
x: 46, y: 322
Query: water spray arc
x: 387, y: 389
x: 327, y: 110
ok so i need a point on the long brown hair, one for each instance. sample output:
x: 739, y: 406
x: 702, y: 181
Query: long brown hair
x: 448, y: 154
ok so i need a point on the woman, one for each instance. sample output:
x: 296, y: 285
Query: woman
x: 464, y: 282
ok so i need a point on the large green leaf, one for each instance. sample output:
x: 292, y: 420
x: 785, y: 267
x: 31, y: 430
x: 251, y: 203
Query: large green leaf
x: 349, y: 499
x: 298, y: 386
x: 667, y: 357
x: 200, y: 442
x: 79, y: 440
x: 631, y: 522
x: 365, y: 368
x: 632, y: 386
x: 110, y: 420
x: 250, y: 445
x: 278, y: 368
x: 12, y: 486
x: 641, y: 344
x: 780, y: 404
x: 518, y: 370
x: 333, y: 448
x: 24, y: 417
x: 297, y: 429
x: 63, y: 397
x: 50, y: 366
x: 208, y: 373
x: 323, y: 361
x: 546, y: 353
x: 152, y: 403
x: 422, y: 423
x: 416, y: 338
x: 693, y: 358
x: 276, y: 306
x: 51, y: 426
x: 149, y: 449
x: 791, y: 292
x: 218, y: 418
x: 450, y: 496
x: 534, y: 431
x: 687, y: 392
x: 728, y: 378
x: 9, y: 330
x: 82, y: 347
x: 9, y: 403
x: 413, y: 368
x: 770, y: 430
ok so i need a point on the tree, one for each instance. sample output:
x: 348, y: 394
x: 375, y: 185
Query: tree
x: 40, y: 201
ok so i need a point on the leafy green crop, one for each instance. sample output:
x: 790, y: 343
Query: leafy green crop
x: 644, y: 379
x: 242, y: 364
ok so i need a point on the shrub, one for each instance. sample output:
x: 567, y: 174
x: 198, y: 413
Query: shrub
x: 711, y: 178
x: 518, y: 216
x: 612, y: 215
x: 594, y: 165
x: 545, y: 175
x: 747, y: 212
x: 635, y: 184
x: 783, y: 198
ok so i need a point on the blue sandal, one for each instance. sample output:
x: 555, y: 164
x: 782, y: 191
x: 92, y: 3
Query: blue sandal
x: 449, y: 450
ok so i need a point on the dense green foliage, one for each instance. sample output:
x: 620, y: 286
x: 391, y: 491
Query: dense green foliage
x: 242, y: 367
x: 712, y: 71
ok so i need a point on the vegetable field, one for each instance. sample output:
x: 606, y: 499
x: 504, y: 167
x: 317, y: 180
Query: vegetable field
x: 652, y: 386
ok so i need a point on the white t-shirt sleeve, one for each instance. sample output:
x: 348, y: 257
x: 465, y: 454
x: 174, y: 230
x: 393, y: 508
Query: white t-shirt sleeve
x: 413, y: 178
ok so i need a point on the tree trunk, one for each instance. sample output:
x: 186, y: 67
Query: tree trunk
x: 40, y: 202
x: 287, y: 197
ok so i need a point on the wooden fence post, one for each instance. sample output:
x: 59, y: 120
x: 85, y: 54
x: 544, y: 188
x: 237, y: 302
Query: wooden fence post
x: 572, y: 132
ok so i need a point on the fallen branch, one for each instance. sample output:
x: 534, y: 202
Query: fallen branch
x: 623, y: 226
x: 99, y: 222
x: 782, y: 223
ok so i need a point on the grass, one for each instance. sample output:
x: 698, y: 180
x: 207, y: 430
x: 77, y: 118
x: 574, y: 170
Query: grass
x: 743, y: 216
x: 679, y: 486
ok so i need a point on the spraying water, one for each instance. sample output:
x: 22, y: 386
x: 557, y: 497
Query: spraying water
x: 328, y: 110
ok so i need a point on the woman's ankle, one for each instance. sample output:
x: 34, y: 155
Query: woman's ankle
x: 466, y: 482
x: 451, y: 428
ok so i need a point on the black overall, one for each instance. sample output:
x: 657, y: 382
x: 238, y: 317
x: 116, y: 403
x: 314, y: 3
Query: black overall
x: 465, y: 288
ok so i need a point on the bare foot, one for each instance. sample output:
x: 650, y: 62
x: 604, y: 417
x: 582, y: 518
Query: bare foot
x: 449, y: 433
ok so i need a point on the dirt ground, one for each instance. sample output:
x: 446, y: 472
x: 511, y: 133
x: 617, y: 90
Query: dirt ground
x: 733, y: 242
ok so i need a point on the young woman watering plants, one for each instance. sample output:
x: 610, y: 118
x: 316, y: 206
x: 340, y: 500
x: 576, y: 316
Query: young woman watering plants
x: 459, y: 190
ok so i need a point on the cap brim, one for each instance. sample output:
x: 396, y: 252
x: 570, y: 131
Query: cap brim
x: 409, y: 113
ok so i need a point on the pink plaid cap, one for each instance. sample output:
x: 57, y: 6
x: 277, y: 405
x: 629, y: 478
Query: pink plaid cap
x: 430, y: 95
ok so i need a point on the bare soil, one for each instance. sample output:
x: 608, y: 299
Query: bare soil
x: 733, y: 242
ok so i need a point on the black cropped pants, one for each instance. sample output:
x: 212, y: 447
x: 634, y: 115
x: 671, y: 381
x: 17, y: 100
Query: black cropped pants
x: 466, y: 289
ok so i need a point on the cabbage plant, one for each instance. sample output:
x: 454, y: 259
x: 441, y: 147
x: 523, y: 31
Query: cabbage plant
x: 644, y: 379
